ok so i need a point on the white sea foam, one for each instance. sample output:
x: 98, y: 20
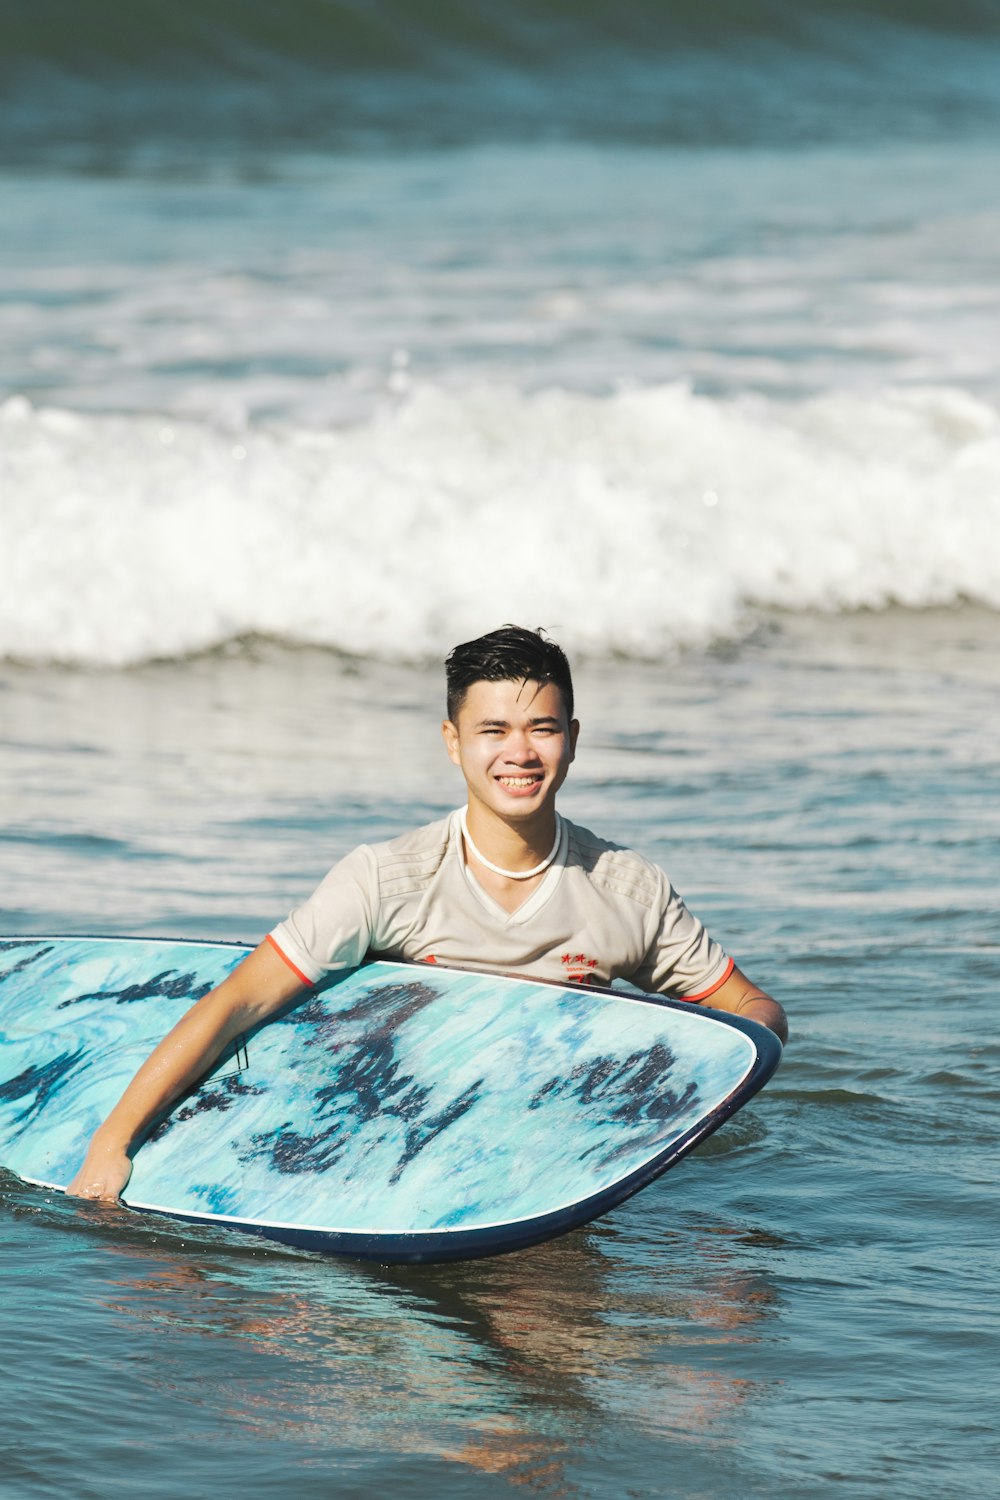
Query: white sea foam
x: 631, y: 523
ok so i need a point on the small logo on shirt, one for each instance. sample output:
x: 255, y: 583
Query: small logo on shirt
x: 579, y: 968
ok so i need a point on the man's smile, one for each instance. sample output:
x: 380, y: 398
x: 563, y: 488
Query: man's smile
x: 523, y: 783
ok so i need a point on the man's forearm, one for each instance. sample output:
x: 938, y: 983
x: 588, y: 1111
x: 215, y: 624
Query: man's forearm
x: 741, y: 997
x: 254, y: 990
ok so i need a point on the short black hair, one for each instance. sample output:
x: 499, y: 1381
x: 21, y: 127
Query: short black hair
x: 510, y: 654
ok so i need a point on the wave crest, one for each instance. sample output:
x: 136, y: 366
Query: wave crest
x: 634, y: 523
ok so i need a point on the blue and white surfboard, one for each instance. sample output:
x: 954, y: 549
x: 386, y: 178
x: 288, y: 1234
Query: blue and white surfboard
x: 400, y: 1112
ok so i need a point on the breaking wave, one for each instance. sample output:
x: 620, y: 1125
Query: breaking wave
x: 634, y: 523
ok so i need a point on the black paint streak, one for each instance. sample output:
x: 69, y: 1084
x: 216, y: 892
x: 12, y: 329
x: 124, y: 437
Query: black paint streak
x: 215, y: 1097
x: 380, y: 1012
x: 368, y: 1084
x: 423, y: 1132
x: 39, y: 1084
x: 606, y: 1077
x: 400, y: 1001
x: 639, y: 1084
x: 25, y: 962
x: 167, y: 985
x: 290, y: 1152
x: 371, y: 1077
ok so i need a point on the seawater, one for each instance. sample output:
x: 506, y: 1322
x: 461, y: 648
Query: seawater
x: 804, y: 1307
x: 326, y: 344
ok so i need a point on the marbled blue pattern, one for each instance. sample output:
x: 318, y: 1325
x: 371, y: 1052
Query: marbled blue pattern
x: 396, y: 1100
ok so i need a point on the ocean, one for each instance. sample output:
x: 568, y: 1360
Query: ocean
x: 334, y: 333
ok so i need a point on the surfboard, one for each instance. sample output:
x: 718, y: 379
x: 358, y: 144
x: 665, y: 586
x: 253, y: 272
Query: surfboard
x: 398, y: 1112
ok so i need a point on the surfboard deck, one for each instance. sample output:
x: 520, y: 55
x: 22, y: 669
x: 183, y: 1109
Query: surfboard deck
x: 399, y: 1112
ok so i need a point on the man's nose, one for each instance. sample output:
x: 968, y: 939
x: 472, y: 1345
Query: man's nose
x: 520, y: 748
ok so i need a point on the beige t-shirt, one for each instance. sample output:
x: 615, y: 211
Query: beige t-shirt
x: 600, y: 913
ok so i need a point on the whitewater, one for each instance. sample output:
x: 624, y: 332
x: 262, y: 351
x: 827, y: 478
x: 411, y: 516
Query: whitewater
x: 378, y: 402
x: 633, y: 523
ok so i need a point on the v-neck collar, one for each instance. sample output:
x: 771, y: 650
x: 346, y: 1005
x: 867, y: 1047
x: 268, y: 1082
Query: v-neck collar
x: 539, y: 895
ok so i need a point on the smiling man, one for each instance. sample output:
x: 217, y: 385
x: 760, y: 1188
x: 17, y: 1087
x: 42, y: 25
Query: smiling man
x: 503, y: 884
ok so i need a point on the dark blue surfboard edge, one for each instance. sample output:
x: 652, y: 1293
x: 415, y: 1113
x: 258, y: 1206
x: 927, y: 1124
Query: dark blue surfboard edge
x: 14, y: 940
x: 440, y: 1246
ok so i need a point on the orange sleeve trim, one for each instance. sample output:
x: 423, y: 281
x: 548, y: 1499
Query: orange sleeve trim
x: 730, y: 966
x: 285, y: 959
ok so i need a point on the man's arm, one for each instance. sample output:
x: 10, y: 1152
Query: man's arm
x: 741, y: 997
x: 256, y: 988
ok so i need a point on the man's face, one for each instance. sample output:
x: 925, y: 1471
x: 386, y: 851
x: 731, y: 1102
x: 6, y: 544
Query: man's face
x: 513, y: 743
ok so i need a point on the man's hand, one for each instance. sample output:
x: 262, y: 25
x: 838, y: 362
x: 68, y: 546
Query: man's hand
x: 104, y: 1174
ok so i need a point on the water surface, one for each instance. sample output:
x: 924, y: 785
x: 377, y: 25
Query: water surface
x: 803, y: 1307
x: 332, y: 335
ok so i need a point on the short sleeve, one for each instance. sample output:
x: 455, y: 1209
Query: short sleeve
x: 682, y: 959
x: 333, y: 928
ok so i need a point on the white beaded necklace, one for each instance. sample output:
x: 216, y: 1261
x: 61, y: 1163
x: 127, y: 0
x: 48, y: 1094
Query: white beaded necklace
x: 511, y: 874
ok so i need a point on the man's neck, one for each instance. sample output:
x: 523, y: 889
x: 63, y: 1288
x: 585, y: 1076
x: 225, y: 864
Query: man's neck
x: 516, y: 862
x: 516, y: 846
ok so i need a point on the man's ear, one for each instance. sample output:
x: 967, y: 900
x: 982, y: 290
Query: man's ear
x: 574, y: 734
x: 450, y: 735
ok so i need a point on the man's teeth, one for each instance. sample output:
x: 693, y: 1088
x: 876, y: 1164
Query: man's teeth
x: 518, y: 780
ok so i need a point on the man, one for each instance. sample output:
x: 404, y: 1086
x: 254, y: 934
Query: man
x: 504, y: 884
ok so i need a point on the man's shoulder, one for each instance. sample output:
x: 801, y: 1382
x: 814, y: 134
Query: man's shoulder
x: 409, y: 860
x: 614, y: 867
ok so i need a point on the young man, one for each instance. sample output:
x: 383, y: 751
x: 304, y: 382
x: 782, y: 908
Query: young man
x: 504, y: 884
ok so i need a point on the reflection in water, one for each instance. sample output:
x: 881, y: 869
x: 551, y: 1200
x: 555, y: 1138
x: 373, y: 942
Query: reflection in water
x: 508, y: 1366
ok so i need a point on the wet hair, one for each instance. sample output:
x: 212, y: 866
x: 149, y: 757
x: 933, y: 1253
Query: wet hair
x: 510, y: 654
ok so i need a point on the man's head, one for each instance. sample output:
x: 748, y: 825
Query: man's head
x: 510, y: 654
x: 510, y: 725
